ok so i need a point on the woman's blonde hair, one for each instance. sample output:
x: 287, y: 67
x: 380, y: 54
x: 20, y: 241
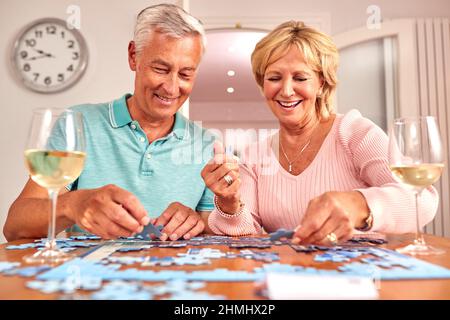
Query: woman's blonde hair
x: 319, y: 52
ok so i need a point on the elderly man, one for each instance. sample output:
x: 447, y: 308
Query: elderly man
x: 133, y: 173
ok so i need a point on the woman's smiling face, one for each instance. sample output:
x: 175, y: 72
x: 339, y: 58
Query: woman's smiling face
x: 291, y: 87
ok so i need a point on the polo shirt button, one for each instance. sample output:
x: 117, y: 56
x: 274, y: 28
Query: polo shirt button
x: 133, y: 126
x: 142, y: 139
x: 149, y: 155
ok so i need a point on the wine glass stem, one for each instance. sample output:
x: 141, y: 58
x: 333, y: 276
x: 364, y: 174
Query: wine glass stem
x: 53, y: 195
x: 419, y: 236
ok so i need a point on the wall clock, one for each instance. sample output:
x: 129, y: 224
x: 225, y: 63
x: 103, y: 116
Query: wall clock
x: 49, y: 57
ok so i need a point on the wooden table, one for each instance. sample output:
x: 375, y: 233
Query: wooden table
x: 13, y: 287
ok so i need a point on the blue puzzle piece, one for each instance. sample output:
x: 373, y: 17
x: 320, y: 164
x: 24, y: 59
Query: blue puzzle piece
x: 5, y: 265
x: 158, y: 261
x: 149, y: 230
x: 22, y: 246
x: 172, y: 244
x: 121, y: 290
x: 27, y: 271
x: 85, y: 237
x: 77, y: 244
x: 68, y: 285
x: 281, y: 233
x: 175, y: 286
x: 127, y: 260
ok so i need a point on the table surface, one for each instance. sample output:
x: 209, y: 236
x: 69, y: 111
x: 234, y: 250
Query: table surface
x: 13, y: 287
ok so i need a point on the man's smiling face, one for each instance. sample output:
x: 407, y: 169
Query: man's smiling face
x: 165, y: 74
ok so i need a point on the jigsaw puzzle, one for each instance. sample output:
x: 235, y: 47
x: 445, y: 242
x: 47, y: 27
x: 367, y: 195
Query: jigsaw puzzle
x: 110, y: 273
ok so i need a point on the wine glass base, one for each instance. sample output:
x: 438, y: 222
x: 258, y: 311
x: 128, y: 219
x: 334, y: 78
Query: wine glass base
x: 420, y: 250
x: 48, y: 256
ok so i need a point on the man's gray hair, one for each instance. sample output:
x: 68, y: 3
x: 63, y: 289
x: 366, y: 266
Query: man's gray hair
x: 168, y: 19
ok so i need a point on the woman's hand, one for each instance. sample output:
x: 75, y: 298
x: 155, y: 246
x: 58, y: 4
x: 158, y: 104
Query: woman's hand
x: 221, y: 175
x: 331, y: 218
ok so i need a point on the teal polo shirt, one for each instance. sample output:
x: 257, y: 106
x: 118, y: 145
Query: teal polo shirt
x: 159, y: 173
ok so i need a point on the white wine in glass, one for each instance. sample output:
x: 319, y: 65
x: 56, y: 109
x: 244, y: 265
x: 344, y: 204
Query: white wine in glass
x: 54, y: 157
x: 416, y: 159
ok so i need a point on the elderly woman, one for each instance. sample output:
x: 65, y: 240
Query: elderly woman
x: 323, y: 174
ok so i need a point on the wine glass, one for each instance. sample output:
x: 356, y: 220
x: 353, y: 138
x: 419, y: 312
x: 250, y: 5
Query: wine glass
x: 54, y: 156
x: 416, y: 159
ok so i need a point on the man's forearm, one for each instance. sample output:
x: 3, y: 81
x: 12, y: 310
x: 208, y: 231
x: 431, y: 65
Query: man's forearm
x: 29, y: 217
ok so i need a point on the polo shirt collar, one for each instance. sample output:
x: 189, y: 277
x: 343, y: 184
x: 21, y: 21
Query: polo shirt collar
x: 180, y: 127
x: 119, y: 116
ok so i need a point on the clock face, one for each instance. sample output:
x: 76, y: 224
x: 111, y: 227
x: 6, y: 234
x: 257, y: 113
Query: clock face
x: 48, y: 56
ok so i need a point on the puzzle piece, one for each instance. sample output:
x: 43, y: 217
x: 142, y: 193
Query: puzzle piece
x: 207, y: 253
x: 191, y: 260
x: 157, y: 261
x: 76, y: 244
x: 85, y: 237
x: 281, y: 233
x: 171, y: 244
x: 69, y: 285
x: 363, y: 240
x: 27, y: 271
x: 250, y: 245
x: 259, y: 256
x: 62, y: 249
x: 21, y: 246
x: 5, y: 265
x: 302, y: 248
x: 210, y: 240
x: 127, y: 260
x: 149, y: 230
x: 253, y: 239
x: 121, y: 290
x: 49, y: 286
x: 61, y: 243
x: 333, y: 257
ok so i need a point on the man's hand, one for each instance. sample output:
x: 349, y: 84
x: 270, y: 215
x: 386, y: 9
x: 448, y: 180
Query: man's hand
x: 179, y: 221
x: 109, y: 212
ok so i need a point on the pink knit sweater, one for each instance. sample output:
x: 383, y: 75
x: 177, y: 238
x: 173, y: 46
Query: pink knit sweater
x: 352, y: 157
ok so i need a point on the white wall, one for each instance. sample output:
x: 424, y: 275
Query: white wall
x: 107, y: 26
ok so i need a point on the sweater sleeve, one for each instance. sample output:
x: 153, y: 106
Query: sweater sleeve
x: 392, y: 204
x: 247, y: 221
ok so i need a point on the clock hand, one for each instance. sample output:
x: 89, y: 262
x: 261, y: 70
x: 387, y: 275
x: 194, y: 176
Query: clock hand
x: 38, y: 57
x: 44, y: 53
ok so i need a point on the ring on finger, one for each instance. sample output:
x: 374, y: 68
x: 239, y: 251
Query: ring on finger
x: 332, y: 238
x: 228, y: 179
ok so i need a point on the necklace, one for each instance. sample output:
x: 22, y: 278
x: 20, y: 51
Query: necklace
x: 301, y: 150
